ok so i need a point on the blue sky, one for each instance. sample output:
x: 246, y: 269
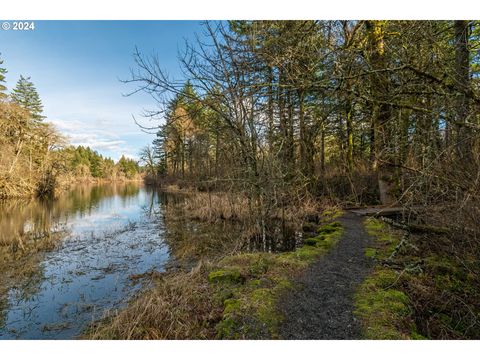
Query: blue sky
x: 76, y: 67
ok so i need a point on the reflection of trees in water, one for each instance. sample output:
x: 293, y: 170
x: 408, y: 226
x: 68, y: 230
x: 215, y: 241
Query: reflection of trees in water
x: 154, y: 197
x: 26, y: 226
x: 190, y: 239
x: 3, y: 306
x: 83, y: 199
x: 22, y: 276
x: 29, y: 227
x: 276, y: 236
x: 34, y: 220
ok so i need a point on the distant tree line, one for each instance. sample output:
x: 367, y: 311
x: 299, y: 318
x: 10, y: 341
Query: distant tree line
x: 85, y: 162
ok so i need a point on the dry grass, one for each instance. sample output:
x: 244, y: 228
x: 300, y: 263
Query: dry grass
x: 12, y: 185
x: 215, y: 206
x: 179, y: 306
x: 298, y: 210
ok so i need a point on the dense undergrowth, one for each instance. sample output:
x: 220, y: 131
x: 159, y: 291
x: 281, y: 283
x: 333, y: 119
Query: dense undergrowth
x: 419, y: 289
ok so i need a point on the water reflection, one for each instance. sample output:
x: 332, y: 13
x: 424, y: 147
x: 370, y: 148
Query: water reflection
x: 276, y: 236
x: 22, y: 221
x: 98, y: 236
x: 191, y: 240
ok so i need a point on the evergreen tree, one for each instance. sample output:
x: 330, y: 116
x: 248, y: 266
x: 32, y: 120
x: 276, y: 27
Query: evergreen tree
x: 25, y: 94
x: 3, y: 71
x: 159, y: 150
x: 128, y: 167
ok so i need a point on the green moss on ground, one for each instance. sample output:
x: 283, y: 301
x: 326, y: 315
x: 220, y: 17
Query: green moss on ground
x: 370, y: 252
x: 225, y: 275
x: 329, y: 228
x: 434, y: 287
x: 383, y: 308
x: 250, y: 310
x: 331, y: 214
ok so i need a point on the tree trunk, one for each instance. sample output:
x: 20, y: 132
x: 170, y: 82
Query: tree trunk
x: 381, y: 112
x: 462, y: 83
x: 270, y: 110
x: 349, y: 124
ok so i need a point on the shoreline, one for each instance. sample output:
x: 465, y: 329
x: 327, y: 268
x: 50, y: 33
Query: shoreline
x: 63, y: 188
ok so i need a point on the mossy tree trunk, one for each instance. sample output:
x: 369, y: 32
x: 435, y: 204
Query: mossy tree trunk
x: 381, y: 113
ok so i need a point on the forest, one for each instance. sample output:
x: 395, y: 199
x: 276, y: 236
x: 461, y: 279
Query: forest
x: 360, y: 112
x: 35, y: 158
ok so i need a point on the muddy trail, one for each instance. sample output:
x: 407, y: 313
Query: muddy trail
x: 322, y: 307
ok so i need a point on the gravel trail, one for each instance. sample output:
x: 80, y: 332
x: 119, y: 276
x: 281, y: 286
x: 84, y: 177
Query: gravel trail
x: 322, y: 306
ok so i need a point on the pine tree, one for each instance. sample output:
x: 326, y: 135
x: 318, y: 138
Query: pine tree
x: 25, y: 94
x: 159, y: 150
x: 3, y: 71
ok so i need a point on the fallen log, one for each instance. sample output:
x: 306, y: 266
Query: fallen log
x: 416, y: 228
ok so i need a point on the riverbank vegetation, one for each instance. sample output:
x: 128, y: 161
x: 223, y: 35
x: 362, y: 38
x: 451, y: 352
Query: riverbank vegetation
x: 356, y: 112
x: 422, y: 287
x: 35, y: 158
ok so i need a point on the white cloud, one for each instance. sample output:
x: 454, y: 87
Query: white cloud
x: 99, y: 118
x: 96, y: 135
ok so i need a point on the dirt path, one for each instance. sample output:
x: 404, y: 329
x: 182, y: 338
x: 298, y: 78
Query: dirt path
x: 322, y: 307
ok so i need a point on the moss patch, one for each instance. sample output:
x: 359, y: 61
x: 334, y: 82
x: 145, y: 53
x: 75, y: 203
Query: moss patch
x: 370, y: 252
x: 432, y: 293
x: 383, y: 308
x: 331, y: 214
x: 310, y: 241
x: 225, y: 275
x: 250, y: 312
x: 329, y: 228
x: 386, y: 238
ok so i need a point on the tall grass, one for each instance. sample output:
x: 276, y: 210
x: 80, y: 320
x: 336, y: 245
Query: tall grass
x: 214, y: 206
x: 178, y: 306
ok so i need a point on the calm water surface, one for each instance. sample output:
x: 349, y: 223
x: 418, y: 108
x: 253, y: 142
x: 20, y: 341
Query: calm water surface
x: 104, y: 235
